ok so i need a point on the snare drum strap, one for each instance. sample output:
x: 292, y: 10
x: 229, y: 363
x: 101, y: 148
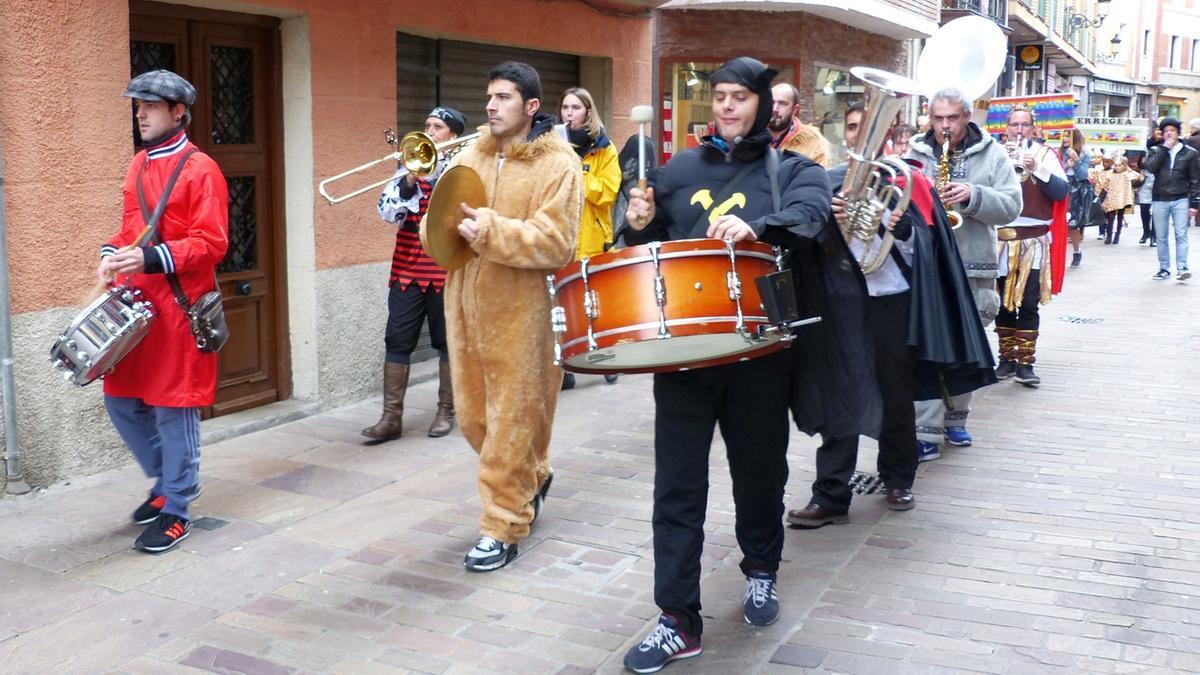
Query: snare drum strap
x: 772, y: 159
x: 153, y: 218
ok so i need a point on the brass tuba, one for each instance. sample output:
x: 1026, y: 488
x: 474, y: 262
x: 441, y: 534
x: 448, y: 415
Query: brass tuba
x: 871, y: 182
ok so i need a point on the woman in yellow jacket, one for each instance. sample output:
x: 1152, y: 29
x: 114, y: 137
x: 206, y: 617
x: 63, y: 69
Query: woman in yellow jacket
x: 601, y: 170
x: 601, y: 179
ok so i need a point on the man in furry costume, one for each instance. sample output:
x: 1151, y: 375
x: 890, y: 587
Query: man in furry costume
x: 497, y: 308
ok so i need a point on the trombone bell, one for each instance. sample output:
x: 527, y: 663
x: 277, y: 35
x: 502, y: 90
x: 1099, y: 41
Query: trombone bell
x: 418, y: 154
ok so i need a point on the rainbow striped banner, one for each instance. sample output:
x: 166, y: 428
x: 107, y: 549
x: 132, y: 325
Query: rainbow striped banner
x: 1055, y: 113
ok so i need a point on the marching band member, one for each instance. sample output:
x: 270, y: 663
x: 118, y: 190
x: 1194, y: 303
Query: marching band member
x: 918, y: 299
x: 601, y: 180
x: 984, y: 190
x: 155, y: 394
x: 501, y: 347
x: 1032, y: 251
x: 722, y: 189
x: 414, y: 290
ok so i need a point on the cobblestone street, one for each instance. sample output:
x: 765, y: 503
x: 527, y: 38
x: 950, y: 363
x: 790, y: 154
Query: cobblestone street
x: 1065, y: 540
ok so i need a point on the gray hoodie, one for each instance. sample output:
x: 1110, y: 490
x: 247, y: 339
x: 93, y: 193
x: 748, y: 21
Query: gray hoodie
x: 995, y: 194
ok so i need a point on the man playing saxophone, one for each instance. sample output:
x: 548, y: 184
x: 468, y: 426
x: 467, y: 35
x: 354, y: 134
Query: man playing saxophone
x: 984, y: 190
x: 1025, y: 261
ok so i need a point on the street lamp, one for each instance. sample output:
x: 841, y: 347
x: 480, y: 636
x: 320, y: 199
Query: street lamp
x: 1076, y: 20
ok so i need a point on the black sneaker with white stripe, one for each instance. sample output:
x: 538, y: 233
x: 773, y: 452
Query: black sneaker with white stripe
x: 163, y: 534
x: 664, y: 644
x: 489, y: 554
x: 760, y: 604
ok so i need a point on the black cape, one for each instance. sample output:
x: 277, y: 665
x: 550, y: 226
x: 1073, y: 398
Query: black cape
x: 952, y: 350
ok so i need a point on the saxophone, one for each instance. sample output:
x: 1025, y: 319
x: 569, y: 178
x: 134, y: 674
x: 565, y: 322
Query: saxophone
x: 943, y: 179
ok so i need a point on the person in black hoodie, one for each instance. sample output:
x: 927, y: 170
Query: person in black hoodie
x: 748, y: 400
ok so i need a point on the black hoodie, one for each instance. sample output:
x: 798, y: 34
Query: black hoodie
x: 685, y: 187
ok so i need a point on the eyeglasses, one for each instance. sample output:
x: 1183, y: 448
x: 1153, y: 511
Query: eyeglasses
x: 1020, y: 125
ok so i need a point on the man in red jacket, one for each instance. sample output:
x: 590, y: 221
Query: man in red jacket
x: 154, y: 394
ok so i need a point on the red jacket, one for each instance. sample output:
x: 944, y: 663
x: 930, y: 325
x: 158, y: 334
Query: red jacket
x: 167, y: 369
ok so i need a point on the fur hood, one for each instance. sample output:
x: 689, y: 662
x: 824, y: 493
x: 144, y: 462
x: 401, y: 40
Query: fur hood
x: 542, y: 140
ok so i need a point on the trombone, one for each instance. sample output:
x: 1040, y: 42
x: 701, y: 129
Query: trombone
x: 416, y: 152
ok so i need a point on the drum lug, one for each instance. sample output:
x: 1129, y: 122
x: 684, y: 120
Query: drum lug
x: 734, y: 283
x: 558, y: 320
x: 660, y: 290
x: 591, y: 304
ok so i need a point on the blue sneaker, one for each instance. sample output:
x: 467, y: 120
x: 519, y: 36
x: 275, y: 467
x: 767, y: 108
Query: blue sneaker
x: 761, y: 604
x: 663, y: 645
x: 927, y: 451
x: 958, y: 436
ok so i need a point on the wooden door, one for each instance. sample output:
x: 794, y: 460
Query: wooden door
x: 232, y: 60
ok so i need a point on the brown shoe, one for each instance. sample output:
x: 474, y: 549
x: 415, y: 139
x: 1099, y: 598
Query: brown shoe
x: 443, y: 422
x: 814, y: 515
x: 395, y: 383
x: 900, y: 499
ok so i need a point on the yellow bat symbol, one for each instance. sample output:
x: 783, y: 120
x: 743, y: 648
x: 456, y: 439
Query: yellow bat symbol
x: 704, y: 199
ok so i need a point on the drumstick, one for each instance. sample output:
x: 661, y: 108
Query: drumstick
x: 642, y: 114
x: 100, y: 288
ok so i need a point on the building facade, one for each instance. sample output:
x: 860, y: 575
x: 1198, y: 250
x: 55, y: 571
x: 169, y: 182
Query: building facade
x: 811, y: 45
x: 290, y: 91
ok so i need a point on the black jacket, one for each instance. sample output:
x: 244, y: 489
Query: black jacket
x: 831, y: 364
x: 685, y: 187
x: 1175, y: 183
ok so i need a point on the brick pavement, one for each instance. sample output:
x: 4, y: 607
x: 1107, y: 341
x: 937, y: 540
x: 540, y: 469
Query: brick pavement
x: 1064, y: 541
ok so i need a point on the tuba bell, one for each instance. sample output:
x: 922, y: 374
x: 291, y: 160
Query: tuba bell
x: 871, y: 183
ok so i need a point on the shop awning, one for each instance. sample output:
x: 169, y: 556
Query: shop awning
x: 873, y: 16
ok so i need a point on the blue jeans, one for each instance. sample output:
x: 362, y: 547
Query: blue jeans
x: 166, y: 443
x: 1164, y: 214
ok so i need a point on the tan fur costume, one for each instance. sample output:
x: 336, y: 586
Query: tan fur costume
x: 498, y: 320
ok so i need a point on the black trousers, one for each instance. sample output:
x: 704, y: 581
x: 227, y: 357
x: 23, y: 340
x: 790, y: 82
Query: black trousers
x: 1026, y: 317
x: 408, y: 308
x: 749, y: 402
x: 895, y: 367
x: 1147, y: 223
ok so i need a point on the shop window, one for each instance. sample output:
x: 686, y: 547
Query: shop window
x: 835, y: 92
x: 686, y: 99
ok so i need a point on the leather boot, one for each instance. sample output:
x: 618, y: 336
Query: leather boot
x: 443, y: 422
x: 395, y: 382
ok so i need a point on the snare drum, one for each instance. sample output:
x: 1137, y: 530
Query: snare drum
x: 101, y: 335
x: 663, y: 306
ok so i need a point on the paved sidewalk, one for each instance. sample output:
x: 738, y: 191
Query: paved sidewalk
x: 1066, y: 540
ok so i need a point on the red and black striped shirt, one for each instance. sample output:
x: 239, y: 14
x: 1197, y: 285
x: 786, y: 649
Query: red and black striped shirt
x: 410, y: 263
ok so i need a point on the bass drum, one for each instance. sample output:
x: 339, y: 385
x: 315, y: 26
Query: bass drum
x: 663, y: 307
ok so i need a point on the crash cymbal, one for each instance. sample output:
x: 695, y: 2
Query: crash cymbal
x: 459, y: 185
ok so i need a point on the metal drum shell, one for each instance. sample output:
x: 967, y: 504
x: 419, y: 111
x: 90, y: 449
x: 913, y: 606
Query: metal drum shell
x: 101, y: 335
x: 700, y: 315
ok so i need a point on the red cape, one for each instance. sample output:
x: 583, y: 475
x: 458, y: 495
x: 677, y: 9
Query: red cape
x: 1058, y: 245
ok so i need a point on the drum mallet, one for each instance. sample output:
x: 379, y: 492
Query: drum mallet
x: 102, y: 286
x: 642, y: 114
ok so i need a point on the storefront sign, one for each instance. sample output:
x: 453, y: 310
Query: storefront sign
x: 1113, y: 133
x: 1099, y: 86
x: 1053, y: 113
x: 1029, y: 57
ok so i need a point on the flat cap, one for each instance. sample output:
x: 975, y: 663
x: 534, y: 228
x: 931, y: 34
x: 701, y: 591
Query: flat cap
x: 161, y: 85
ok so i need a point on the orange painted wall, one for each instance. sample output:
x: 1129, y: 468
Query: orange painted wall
x: 64, y: 127
x: 354, y: 99
x: 65, y: 135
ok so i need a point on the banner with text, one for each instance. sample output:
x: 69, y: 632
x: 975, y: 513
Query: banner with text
x: 1113, y: 134
x: 1055, y: 113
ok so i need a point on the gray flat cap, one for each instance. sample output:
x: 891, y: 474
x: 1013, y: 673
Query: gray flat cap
x: 161, y: 85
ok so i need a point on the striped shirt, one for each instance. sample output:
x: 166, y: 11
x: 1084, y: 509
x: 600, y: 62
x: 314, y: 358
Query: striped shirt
x: 410, y: 263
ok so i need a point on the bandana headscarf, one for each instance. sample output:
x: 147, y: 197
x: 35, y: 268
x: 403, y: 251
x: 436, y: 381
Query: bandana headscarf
x: 453, y: 119
x: 755, y: 76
